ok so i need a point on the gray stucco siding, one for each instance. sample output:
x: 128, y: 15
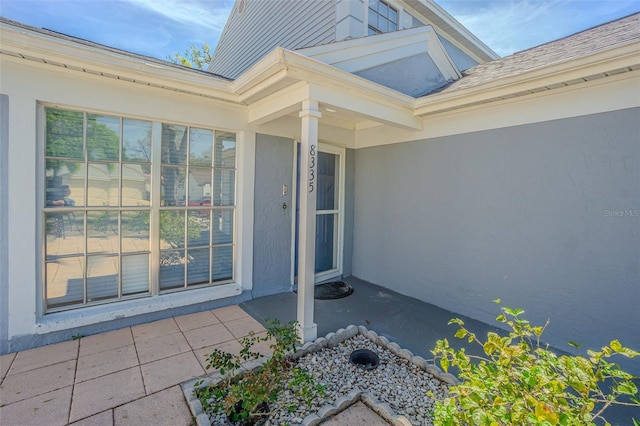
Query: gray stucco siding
x: 414, y: 76
x: 272, y: 224
x: 459, y: 58
x: 544, y: 216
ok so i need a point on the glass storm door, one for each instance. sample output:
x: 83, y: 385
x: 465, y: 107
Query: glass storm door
x: 329, y: 212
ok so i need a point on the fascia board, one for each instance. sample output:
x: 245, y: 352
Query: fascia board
x: 368, y: 52
x: 303, y: 68
x: 534, y: 80
x: 278, y: 104
x: 260, y: 74
x: 369, y: 109
x: 48, y: 49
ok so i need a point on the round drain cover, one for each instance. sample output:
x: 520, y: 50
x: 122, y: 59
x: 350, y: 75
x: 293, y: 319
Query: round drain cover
x: 365, y: 359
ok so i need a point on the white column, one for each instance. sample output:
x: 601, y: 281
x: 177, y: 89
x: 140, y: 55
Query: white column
x: 307, y: 222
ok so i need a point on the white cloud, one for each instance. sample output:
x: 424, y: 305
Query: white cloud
x: 211, y: 15
x: 509, y: 26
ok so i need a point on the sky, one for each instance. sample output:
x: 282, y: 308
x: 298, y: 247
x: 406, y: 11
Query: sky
x: 159, y: 28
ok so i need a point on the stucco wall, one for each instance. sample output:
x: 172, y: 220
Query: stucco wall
x: 272, y: 223
x: 544, y: 216
x: 4, y: 203
x: 414, y: 76
x: 349, y: 223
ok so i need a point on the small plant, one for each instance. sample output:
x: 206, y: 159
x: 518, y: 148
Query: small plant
x: 248, y: 397
x: 521, y: 382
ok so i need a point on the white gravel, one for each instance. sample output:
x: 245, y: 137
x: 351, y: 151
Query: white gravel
x: 396, y: 381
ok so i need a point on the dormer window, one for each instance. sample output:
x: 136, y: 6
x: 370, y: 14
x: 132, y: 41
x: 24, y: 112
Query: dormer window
x: 382, y: 17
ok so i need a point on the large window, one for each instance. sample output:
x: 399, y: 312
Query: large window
x: 382, y: 17
x: 133, y: 208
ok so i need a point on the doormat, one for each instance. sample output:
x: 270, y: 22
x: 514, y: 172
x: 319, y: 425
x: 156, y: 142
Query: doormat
x: 331, y: 290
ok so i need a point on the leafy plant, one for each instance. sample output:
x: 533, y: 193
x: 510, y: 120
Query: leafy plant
x: 250, y: 396
x: 522, y: 382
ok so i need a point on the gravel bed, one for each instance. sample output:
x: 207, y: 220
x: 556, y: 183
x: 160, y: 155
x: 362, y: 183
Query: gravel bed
x: 397, y: 382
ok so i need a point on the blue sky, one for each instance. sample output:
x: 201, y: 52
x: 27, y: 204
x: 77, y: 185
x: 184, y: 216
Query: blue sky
x: 160, y: 27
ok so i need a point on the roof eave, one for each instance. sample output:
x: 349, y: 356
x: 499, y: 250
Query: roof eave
x: 621, y: 59
x: 43, y: 48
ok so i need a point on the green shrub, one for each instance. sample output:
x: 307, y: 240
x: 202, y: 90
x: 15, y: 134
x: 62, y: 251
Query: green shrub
x: 243, y: 396
x: 521, y: 382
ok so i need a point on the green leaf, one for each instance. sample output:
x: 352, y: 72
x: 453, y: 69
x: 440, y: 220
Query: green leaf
x: 615, y: 345
x: 444, y: 363
x: 461, y: 333
x: 575, y: 345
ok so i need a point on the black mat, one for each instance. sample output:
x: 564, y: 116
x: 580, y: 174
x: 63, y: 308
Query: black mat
x: 332, y: 290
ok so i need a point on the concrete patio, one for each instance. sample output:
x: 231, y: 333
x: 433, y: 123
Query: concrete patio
x: 132, y: 376
x: 129, y: 376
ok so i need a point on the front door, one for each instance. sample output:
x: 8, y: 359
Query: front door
x: 329, y: 213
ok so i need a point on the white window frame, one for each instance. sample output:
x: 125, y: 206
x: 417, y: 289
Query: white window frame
x: 157, y: 298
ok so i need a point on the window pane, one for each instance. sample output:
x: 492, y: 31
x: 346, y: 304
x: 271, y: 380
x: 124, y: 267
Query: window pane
x: 383, y: 25
x: 174, y: 144
x: 135, y: 231
x: 63, y: 175
x: 373, y: 4
x: 222, y: 268
x: 225, y: 150
x: 136, y: 184
x: 383, y: 10
x: 373, y: 18
x: 172, y: 229
x: 102, y: 232
x: 103, y: 137
x: 222, y: 226
x: 64, y: 234
x: 136, y: 140
x: 200, y: 145
x: 199, y: 228
x: 393, y: 15
x: 135, y: 274
x: 102, y: 277
x: 173, y: 190
x: 171, y: 269
x: 64, y: 282
x: 325, y: 256
x: 224, y: 187
x: 64, y: 134
x: 198, y: 266
x: 371, y: 31
x: 392, y: 26
x: 199, y: 186
x: 327, y: 193
x: 103, y: 185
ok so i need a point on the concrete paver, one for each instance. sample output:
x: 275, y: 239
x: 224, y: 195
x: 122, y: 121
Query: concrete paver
x: 161, y: 347
x: 105, y: 341
x: 107, y: 362
x: 126, y: 376
x: 51, y: 408
x: 356, y: 415
x: 5, y: 364
x: 102, y: 393
x: 243, y: 326
x: 208, y: 336
x: 171, y: 371
x: 43, y: 356
x: 17, y: 387
x: 155, y: 329
x: 166, y: 407
x: 197, y: 320
x: 101, y: 419
x: 229, y: 313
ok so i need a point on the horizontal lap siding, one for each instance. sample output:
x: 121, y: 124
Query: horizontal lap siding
x: 265, y: 25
